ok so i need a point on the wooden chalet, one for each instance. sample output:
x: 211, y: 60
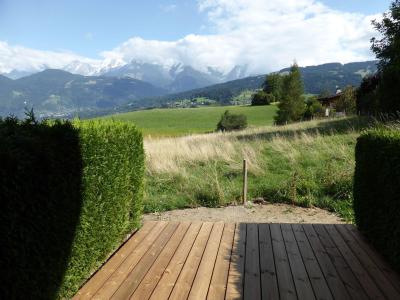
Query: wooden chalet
x: 329, y: 101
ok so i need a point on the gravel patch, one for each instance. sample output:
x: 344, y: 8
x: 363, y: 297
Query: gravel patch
x: 252, y: 213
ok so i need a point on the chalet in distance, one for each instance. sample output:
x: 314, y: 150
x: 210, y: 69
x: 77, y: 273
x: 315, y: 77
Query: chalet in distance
x: 328, y: 102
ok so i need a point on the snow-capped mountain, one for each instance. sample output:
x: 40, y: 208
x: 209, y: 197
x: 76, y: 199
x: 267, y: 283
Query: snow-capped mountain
x: 174, y: 78
x: 81, y: 68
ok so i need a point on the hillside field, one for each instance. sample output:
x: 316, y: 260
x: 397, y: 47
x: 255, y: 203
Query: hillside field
x: 306, y: 164
x: 184, y: 121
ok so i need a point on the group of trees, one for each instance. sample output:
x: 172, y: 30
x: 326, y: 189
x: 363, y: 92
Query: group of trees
x: 293, y: 105
x: 292, y: 102
x: 347, y: 101
x: 313, y: 108
x: 262, y: 98
x: 380, y: 93
x: 288, y: 90
x: 271, y: 90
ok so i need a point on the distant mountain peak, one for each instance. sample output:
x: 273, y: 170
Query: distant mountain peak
x: 59, y: 93
x: 176, y: 77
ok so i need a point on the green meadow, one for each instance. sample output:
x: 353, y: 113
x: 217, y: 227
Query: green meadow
x: 307, y: 164
x: 184, y: 121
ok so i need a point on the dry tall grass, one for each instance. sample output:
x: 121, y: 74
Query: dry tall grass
x: 308, y: 163
x: 177, y: 155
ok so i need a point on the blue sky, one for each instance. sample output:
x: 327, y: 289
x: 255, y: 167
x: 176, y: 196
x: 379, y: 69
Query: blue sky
x: 88, y: 27
x: 361, y: 6
x: 194, y: 29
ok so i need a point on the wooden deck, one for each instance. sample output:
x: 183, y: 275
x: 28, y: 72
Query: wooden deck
x: 170, y: 260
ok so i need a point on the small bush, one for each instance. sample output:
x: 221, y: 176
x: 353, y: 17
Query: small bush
x: 70, y: 193
x: 262, y: 98
x: 377, y: 190
x: 231, y: 122
x: 313, y: 108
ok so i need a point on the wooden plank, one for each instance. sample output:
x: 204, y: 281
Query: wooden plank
x: 376, y: 274
x: 390, y: 274
x: 98, y: 279
x: 115, y: 280
x: 244, y: 193
x: 134, y: 278
x: 220, y: 275
x: 346, y: 274
x: 184, y: 283
x: 286, y: 286
x: 204, y: 273
x: 335, y: 284
x: 152, y: 277
x: 171, y: 273
x: 365, y: 280
x: 315, y: 274
x: 234, y: 289
x: 269, y: 282
x: 300, y: 277
x: 252, y: 281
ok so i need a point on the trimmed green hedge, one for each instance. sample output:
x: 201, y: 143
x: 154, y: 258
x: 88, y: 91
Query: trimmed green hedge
x: 377, y: 190
x: 70, y: 194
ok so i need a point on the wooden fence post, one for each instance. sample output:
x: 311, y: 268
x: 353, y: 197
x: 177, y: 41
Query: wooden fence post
x: 244, y: 195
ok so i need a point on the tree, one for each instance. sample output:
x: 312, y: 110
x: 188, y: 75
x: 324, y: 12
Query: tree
x: 347, y: 101
x: 313, y: 108
x: 367, y: 95
x: 291, y: 105
x: 262, y: 98
x: 273, y: 85
x: 324, y: 93
x: 387, y: 50
x: 231, y: 122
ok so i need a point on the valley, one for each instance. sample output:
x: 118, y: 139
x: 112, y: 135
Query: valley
x: 60, y: 94
x: 185, y: 121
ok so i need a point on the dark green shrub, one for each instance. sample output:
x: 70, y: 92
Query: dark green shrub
x: 347, y: 101
x: 230, y: 122
x: 377, y: 190
x: 262, y: 98
x: 367, y: 101
x: 313, y: 108
x: 70, y: 194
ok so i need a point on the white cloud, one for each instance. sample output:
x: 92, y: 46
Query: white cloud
x: 14, y: 57
x: 265, y: 35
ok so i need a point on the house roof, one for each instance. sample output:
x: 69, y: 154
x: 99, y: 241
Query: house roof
x: 330, y: 98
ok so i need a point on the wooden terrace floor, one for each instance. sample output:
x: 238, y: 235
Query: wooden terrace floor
x: 171, y: 260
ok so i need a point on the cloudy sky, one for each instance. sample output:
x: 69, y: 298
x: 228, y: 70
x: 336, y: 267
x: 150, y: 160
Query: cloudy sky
x: 266, y: 35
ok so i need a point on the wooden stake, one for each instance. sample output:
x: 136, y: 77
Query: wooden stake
x: 244, y: 195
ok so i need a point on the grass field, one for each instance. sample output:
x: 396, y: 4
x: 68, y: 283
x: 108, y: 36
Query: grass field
x: 308, y: 164
x: 184, y: 121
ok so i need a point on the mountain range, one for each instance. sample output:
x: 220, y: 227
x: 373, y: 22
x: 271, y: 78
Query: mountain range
x: 325, y: 78
x: 174, y: 78
x: 59, y: 93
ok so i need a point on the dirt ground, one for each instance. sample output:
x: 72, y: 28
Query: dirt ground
x: 257, y: 213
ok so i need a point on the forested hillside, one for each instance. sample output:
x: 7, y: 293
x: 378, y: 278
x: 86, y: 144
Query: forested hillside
x: 317, y: 80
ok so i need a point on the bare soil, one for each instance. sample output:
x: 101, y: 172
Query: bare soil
x: 257, y: 213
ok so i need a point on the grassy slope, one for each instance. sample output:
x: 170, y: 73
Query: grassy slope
x: 181, y: 121
x: 308, y: 164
